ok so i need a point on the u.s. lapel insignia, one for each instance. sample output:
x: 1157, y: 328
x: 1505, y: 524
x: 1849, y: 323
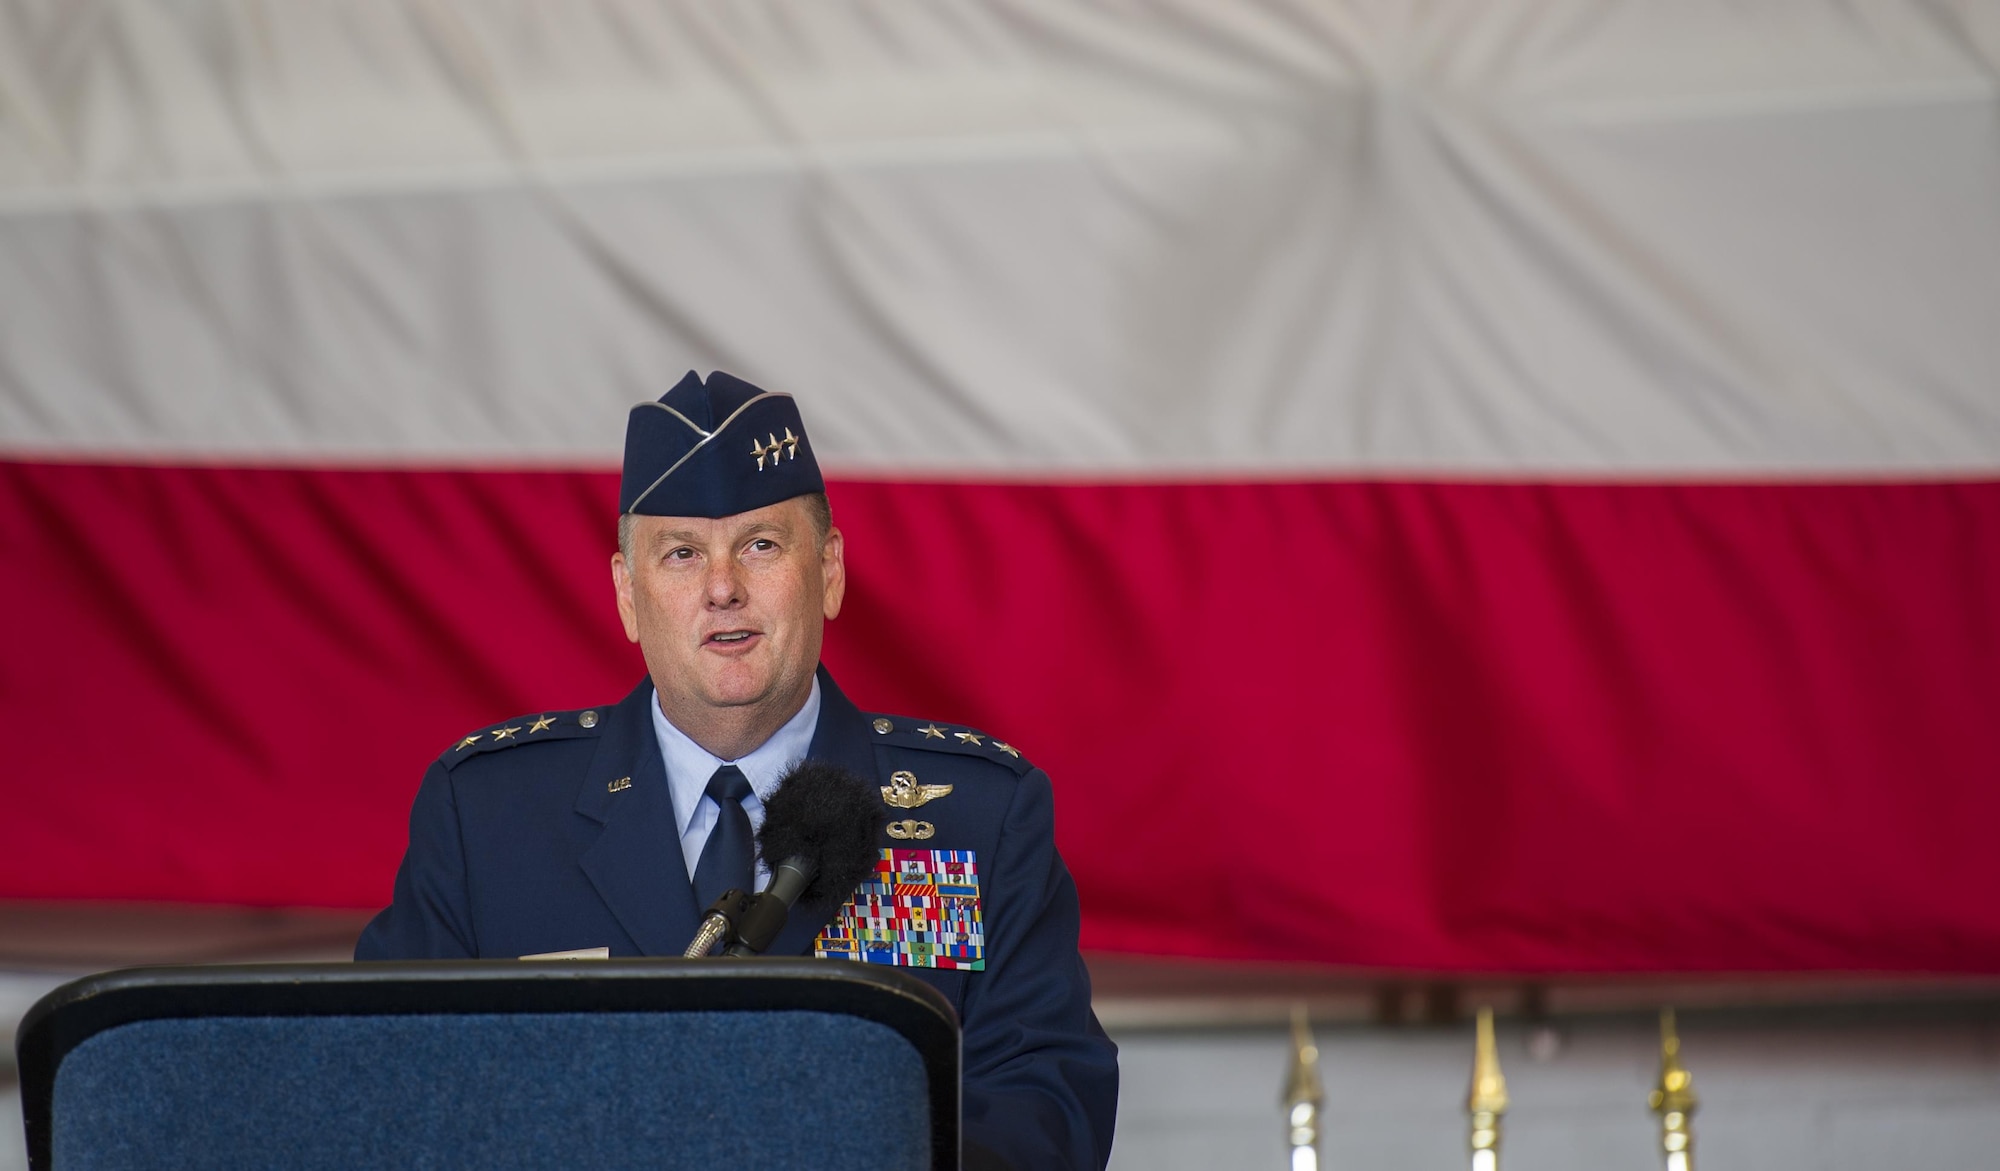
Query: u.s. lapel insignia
x: 920, y: 909
x: 903, y: 791
x: 619, y: 785
x: 910, y: 830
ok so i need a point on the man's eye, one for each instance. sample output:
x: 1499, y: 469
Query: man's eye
x: 762, y: 543
x: 681, y: 554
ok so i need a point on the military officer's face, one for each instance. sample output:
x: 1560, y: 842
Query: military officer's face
x: 730, y: 612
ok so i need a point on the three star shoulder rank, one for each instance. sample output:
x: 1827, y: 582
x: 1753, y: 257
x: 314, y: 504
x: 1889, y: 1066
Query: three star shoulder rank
x: 931, y: 736
x: 523, y: 730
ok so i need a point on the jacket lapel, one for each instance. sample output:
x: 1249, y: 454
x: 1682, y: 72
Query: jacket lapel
x: 636, y: 863
x: 841, y: 738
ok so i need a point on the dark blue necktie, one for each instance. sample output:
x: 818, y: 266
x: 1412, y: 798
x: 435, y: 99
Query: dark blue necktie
x: 727, y: 860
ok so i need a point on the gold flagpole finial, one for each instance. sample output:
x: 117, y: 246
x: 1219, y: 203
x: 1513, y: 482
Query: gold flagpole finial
x: 1488, y: 1100
x: 1674, y: 1099
x: 1304, y: 1095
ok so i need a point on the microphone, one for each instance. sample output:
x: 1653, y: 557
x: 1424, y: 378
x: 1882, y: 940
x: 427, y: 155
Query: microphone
x: 821, y: 825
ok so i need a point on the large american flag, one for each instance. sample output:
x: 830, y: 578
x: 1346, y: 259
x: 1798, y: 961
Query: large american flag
x: 1497, y: 489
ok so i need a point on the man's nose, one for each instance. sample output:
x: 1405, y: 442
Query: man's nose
x: 724, y: 584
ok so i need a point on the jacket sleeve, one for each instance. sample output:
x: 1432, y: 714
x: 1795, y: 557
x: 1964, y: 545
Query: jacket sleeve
x: 1041, y: 1077
x: 430, y: 916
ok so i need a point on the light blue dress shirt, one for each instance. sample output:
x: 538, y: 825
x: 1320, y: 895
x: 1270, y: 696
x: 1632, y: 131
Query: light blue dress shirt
x: 689, y: 766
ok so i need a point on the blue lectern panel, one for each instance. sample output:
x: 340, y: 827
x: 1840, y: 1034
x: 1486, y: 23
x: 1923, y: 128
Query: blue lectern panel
x: 799, y: 1089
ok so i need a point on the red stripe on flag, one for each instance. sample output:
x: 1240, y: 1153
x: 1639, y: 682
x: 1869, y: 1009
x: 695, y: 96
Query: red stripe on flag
x: 1436, y: 726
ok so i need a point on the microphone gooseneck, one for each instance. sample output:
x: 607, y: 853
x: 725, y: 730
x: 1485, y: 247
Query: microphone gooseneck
x: 719, y: 922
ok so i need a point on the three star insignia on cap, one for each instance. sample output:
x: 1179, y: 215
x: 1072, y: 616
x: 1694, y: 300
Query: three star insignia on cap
x: 771, y: 447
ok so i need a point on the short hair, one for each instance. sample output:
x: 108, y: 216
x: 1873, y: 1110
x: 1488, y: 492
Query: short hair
x: 817, y: 506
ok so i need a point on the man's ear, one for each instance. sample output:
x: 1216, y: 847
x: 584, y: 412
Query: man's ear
x: 833, y: 571
x: 621, y: 581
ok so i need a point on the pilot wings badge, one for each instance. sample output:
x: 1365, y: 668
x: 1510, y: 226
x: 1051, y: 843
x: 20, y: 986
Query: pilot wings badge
x: 903, y: 791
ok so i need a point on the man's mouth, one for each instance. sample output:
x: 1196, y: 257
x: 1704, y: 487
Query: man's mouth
x: 731, y: 636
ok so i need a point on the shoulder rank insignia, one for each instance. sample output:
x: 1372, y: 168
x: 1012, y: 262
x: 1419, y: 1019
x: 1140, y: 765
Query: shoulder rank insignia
x: 901, y: 732
x: 903, y: 791
x: 919, y: 909
x: 522, y: 730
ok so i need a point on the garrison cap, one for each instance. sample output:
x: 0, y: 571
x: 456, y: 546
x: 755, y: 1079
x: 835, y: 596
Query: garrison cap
x: 715, y: 450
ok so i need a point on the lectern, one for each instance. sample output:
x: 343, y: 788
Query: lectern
x: 767, y: 1063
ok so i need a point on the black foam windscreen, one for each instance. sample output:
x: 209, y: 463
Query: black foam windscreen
x: 828, y: 817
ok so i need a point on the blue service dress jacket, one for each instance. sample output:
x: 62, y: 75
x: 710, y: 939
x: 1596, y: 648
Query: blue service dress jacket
x: 556, y: 832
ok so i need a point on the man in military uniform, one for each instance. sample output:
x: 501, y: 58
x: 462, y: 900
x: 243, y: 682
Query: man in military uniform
x: 615, y: 826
